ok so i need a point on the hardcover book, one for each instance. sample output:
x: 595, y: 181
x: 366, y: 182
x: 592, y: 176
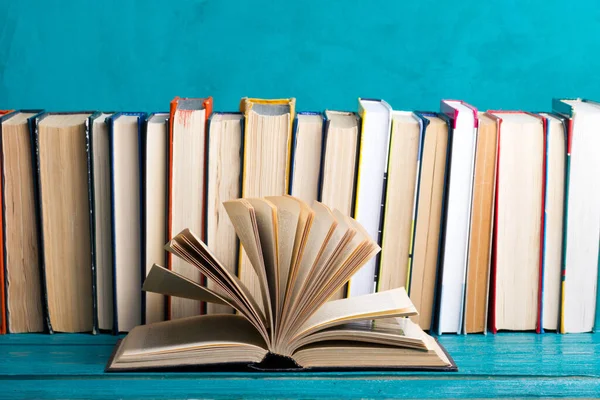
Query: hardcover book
x: 429, y: 226
x: 458, y: 215
x: 154, y: 197
x: 371, y: 178
x: 101, y: 224
x: 125, y: 138
x: 581, y: 252
x: 301, y: 255
x: 224, y: 182
x: 61, y: 149
x: 518, y: 222
x: 187, y: 158
x: 20, y: 228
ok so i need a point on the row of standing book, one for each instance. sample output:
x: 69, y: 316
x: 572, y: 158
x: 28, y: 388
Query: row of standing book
x: 490, y: 220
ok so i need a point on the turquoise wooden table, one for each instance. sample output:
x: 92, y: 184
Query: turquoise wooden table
x: 504, y: 365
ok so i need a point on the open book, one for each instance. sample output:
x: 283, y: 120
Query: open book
x: 302, y: 256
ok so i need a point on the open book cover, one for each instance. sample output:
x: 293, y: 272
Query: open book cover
x: 302, y: 255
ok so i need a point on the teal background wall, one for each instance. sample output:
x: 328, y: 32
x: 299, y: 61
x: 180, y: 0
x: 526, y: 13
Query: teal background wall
x: 137, y: 55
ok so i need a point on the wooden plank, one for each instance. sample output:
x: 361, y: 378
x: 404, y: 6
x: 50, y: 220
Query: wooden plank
x: 268, y: 388
x: 500, y: 355
x: 58, y: 338
x: 505, y: 365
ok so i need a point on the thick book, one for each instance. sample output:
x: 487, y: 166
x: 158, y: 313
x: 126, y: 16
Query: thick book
x: 292, y: 325
x: 100, y: 206
x: 458, y: 215
x: 61, y: 149
x: 267, y: 146
x: 155, y: 142
x: 224, y: 182
x: 400, y: 200
x: 307, y: 143
x: 554, y: 201
x: 580, y: 308
x: 371, y: 183
x: 482, y: 217
x: 187, y: 160
x: 436, y: 132
x: 21, y: 303
x: 515, y: 285
x: 125, y: 149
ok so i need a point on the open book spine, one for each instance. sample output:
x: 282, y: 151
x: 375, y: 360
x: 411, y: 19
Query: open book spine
x: 207, y: 104
x: 34, y: 129
x: 141, y: 116
x: 423, y: 117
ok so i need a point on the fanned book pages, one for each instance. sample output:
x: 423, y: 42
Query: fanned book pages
x: 21, y: 258
x: 301, y: 256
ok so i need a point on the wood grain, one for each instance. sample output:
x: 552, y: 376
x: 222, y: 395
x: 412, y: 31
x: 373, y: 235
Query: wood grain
x: 503, y: 365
